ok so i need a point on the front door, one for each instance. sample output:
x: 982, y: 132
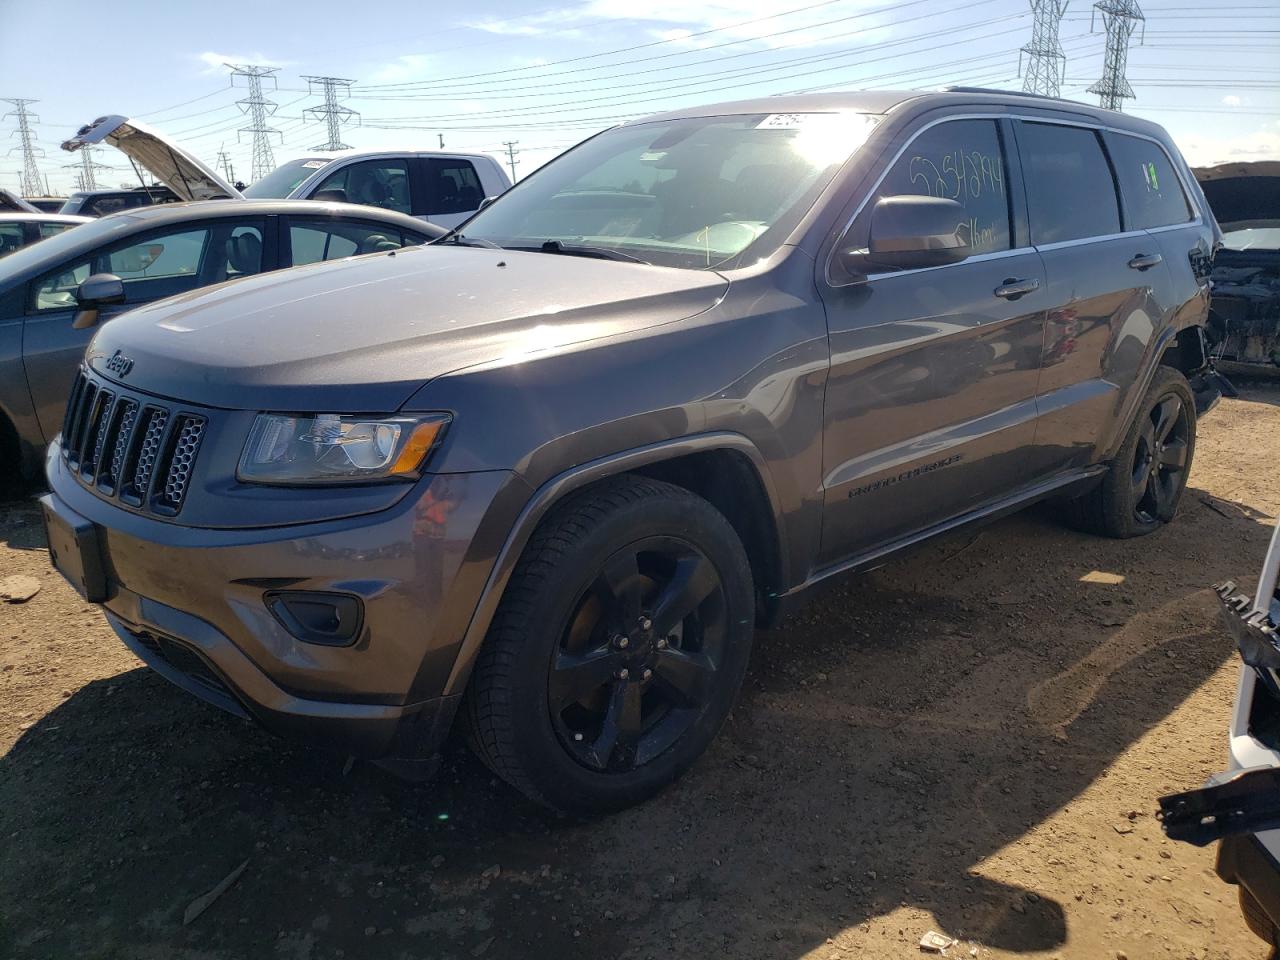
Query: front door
x: 930, y: 403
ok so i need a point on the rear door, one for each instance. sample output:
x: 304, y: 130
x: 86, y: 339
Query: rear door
x: 315, y: 239
x: 1107, y: 296
x: 160, y: 263
x: 452, y: 189
x: 930, y: 402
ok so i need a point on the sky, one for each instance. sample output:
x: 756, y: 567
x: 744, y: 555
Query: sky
x: 483, y: 73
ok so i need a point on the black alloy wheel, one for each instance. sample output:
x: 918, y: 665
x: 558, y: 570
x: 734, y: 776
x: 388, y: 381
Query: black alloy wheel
x: 1160, y: 460
x: 638, y: 658
x: 619, y: 646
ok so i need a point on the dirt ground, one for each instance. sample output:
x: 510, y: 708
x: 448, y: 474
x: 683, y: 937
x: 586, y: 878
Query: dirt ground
x: 969, y: 740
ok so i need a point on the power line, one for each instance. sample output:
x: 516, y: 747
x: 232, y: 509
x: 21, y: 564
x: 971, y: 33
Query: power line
x: 1120, y: 18
x: 334, y: 114
x: 31, y: 186
x: 258, y: 108
x: 1046, y: 62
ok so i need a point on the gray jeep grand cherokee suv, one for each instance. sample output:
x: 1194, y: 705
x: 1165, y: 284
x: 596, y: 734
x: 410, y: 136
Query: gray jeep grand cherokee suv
x: 545, y: 475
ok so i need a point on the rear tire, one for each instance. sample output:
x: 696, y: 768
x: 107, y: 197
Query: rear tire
x: 1144, y: 484
x: 617, y: 650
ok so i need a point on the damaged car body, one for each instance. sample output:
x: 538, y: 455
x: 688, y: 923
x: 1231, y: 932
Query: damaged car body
x: 1240, y: 807
x: 1244, y: 320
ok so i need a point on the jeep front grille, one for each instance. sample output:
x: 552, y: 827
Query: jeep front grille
x: 131, y: 448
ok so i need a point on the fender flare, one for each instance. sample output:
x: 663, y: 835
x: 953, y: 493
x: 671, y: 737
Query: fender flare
x: 556, y: 489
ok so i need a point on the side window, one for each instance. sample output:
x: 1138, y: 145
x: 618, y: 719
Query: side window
x: 375, y: 183
x: 244, y: 253
x: 10, y: 237
x: 56, y: 291
x: 169, y: 255
x: 317, y: 241
x: 1153, y: 197
x: 960, y: 160
x: 1071, y: 194
x: 104, y: 205
x: 453, y: 187
x: 53, y: 229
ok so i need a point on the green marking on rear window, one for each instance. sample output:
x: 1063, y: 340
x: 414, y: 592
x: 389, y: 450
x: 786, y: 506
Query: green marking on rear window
x: 1153, y: 181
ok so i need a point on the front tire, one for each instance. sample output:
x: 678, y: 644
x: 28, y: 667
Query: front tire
x: 617, y: 650
x: 1144, y: 485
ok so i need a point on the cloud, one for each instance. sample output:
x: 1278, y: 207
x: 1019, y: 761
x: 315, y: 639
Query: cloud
x: 677, y: 20
x: 1201, y: 150
x: 1231, y: 100
x: 216, y: 62
x: 410, y: 66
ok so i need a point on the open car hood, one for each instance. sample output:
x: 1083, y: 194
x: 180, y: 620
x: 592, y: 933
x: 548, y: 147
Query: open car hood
x: 161, y: 157
x: 1242, y: 193
x: 13, y: 203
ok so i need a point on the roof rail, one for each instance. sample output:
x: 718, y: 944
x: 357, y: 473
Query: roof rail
x: 1004, y: 93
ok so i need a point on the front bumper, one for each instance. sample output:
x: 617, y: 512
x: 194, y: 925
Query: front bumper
x: 190, y: 602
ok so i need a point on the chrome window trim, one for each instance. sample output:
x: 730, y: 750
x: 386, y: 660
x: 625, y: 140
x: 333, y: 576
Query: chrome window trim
x: 1197, y: 220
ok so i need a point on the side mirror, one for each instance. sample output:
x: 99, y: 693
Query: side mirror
x: 910, y: 232
x: 99, y: 290
x: 485, y: 202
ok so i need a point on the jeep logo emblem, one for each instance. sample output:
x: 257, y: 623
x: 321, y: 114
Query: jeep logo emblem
x: 119, y: 364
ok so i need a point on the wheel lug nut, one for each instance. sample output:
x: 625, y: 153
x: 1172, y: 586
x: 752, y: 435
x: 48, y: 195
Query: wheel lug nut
x: 577, y: 737
x: 621, y: 642
x: 646, y: 675
x: 624, y: 674
x: 645, y: 623
x: 662, y: 643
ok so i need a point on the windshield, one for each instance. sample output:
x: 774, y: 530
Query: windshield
x: 282, y: 181
x: 692, y: 193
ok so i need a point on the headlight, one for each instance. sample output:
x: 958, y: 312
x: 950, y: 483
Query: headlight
x: 332, y: 448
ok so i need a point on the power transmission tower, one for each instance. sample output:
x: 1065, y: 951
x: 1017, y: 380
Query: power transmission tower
x: 1120, y: 18
x: 1046, y: 61
x: 85, y: 179
x: 511, y: 156
x: 334, y: 114
x: 257, y: 108
x: 31, y: 186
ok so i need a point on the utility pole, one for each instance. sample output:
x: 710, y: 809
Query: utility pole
x: 511, y: 156
x: 441, y: 136
x: 1046, y: 61
x: 334, y: 114
x: 85, y: 178
x: 224, y: 161
x: 257, y: 108
x: 26, y: 143
x: 1120, y: 18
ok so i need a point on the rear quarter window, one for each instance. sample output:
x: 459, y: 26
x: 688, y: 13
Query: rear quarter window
x: 1153, y: 194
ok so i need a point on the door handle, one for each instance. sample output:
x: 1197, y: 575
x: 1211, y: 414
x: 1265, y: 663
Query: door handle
x: 1012, y: 288
x: 1145, y: 261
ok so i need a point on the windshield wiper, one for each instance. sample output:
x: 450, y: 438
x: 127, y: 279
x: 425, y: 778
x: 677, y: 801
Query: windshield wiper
x: 581, y: 250
x: 461, y: 240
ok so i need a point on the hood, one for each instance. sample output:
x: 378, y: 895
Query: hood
x: 362, y: 335
x: 1242, y: 193
x: 178, y: 170
x: 13, y: 203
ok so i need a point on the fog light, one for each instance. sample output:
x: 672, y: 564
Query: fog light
x: 329, y: 619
